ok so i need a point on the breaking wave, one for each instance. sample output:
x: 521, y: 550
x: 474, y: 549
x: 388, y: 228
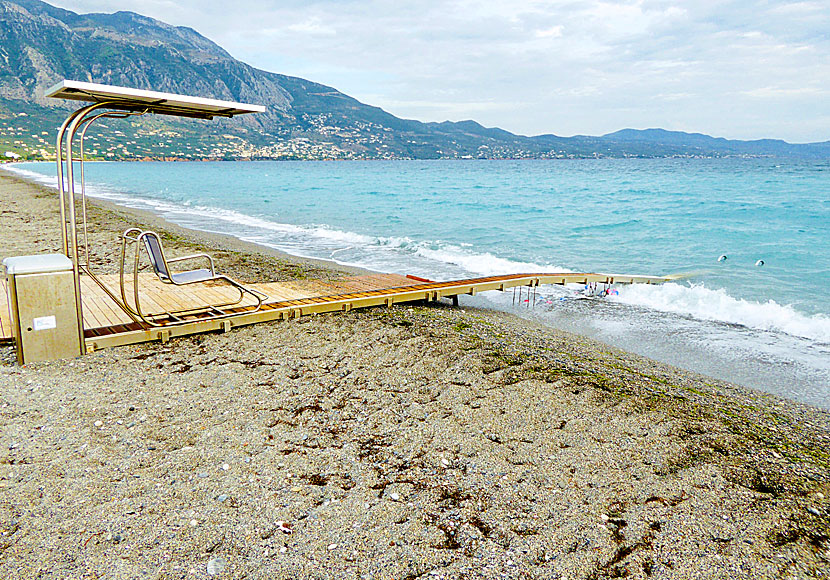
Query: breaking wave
x: 717, y: 305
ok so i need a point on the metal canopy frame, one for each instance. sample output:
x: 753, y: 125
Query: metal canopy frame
x: 110, y: 102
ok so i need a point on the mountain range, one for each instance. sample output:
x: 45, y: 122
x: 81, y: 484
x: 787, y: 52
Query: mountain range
x: 41, y: 44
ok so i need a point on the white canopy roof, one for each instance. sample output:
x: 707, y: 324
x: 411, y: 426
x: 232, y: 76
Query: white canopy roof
x: 128, y: 99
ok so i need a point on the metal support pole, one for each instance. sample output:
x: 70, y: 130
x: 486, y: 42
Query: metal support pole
x: 72, y: 234
x: 61, y: 183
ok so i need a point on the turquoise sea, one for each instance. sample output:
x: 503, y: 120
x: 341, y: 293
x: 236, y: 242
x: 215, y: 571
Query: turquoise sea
x: 765, y: 326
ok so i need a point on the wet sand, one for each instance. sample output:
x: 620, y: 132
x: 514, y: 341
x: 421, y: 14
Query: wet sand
x: 419, y: 441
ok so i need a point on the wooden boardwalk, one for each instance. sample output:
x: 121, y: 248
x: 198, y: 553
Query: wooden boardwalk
x: 106, y: 325
x: 101, y: 312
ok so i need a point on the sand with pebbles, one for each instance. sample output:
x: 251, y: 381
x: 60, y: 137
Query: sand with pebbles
x: 419, y: 441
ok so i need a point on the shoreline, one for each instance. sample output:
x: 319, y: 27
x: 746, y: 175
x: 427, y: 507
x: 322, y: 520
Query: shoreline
x: 232, y: 245
x: 211, y: 239
x: 789, y: 366
x: 391, y: 443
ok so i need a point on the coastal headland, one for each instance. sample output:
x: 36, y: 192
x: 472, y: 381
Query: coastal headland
x: 419, y: 441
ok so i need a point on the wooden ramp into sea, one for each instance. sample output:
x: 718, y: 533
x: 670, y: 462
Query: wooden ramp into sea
x: 106, y: 325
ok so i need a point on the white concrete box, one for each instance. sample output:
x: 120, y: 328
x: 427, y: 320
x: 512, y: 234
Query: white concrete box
x: 42, y: 304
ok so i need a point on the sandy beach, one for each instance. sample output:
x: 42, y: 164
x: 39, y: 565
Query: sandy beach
x: 418, y: 441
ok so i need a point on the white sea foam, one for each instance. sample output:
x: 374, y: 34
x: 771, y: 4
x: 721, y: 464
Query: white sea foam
x: 717, y: 305
x: 48, y: 180
x: 484, y: 264
x: 326, y: 240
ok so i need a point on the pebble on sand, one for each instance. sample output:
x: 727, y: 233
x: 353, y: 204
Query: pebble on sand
x: 215, y: 566
x: 283, y: 527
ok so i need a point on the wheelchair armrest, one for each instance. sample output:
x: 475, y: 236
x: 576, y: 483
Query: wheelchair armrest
x: 193, y: 256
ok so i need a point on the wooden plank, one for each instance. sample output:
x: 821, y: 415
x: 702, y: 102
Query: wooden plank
x: 308, y: 287
x: 94, y: 315
x: 115, y: 312
x: 112, y: 310
x: 146, y: 301
x: 389, y: 280
x: 362, y: 283
x: 274, y: 292
x: 211, y: 294
x: 91, y: 319
x: 341, y: 285
x: 169, y: 301
x: 288, y: 293
x: 149, y: 304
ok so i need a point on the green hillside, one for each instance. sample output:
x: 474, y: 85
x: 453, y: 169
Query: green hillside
x: 41, y: 45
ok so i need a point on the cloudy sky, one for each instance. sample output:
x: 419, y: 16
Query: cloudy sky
x: 743, y: 69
